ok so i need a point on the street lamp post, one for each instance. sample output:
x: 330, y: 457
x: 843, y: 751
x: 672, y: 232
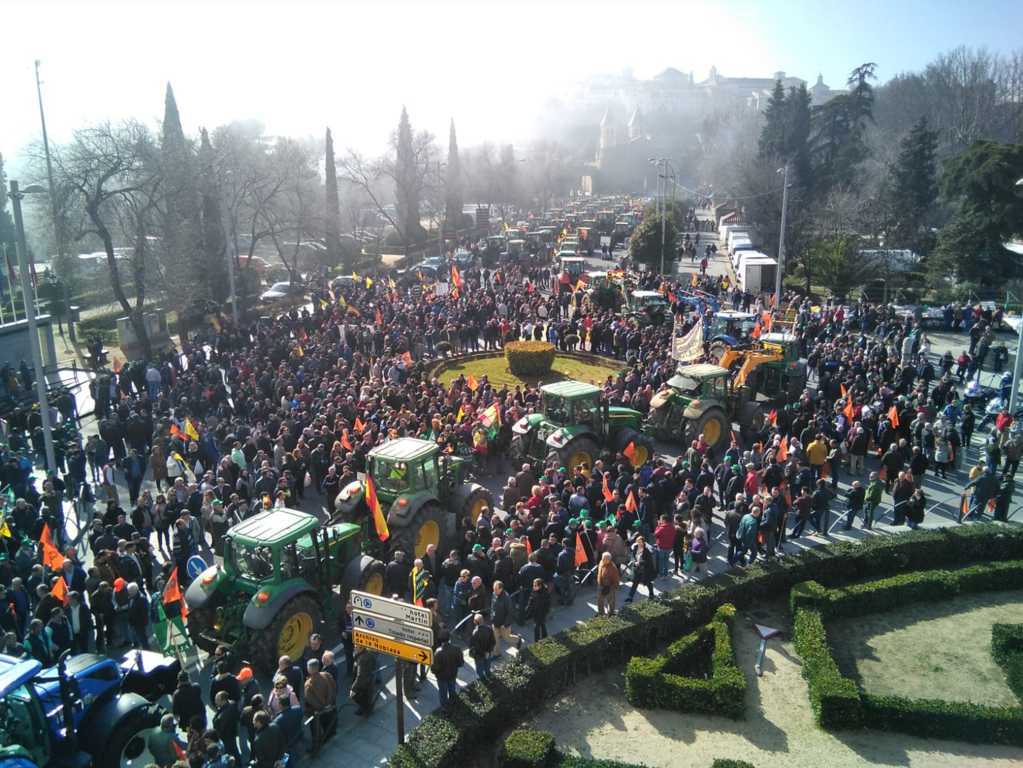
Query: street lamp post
x: 781, y: 235
x: 33, y: 327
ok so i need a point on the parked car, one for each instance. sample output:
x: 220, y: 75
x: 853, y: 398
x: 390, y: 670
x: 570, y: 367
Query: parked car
x: 281, y: 291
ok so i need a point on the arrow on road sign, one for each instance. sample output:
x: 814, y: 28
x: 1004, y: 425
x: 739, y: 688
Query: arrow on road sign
x: 407, y: 651
x: 392, y: 609
x: 397, y: 630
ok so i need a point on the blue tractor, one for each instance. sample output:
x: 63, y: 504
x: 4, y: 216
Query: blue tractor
x: 88, y: 710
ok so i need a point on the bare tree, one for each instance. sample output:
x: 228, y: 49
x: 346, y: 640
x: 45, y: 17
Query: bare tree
x: 112, y: 176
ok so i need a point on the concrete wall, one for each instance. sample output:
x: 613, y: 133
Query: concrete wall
x: 14, y: 343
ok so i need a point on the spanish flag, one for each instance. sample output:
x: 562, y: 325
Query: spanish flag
x: 379, y: 521
x: 456, y: 277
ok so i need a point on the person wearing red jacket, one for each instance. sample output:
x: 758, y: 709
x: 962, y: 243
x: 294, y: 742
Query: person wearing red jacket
x: 664, y: 537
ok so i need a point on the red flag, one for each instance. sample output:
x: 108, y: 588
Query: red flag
x: 849, y: 411
x: 580, y: 553
x: 378, y: 318
x: 379, y: 522
x: 175, y: 431
x: 345, y: 442
x: 606, y: 490
x: 755, y: 333
x: 630, y: 502
x: 783, y: 449
x: 893, y: 416
x: 45, y: 537
x: 172, y: 590
x: 772, y: 417
x: 529, y: 546
x: 630, y: 452
x: 842, y: 389
x: 359, y: 425
x: 471, y: 383
x: 179, y: 750
x: 456, y: 277
x: 59, y: 591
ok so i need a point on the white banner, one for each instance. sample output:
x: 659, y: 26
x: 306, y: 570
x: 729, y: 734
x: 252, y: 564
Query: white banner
x: 690, y: 346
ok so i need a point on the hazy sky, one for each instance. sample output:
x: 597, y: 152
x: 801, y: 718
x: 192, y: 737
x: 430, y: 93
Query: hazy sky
x: 298, y: 66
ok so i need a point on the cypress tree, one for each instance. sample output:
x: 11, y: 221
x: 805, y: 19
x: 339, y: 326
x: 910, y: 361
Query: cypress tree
x: 453, y: 184
x: 214, y: 239
x: 332, y: 235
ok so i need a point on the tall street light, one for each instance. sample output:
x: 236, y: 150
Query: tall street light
x: 1016, y: 247
x: 33, y: 327
x: 781, y: 234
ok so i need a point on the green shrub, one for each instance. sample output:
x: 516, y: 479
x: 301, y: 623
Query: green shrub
x: 723, y: 763
x: 526, y: 748
x: 1007, y: 650
x: 570, y: 761
x: 696, y: 673
x: 929, y: 718
x: 529, y: 358
x: 834, y: 699
x: 445, y: 737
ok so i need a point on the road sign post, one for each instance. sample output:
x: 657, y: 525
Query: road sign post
x: 399, y: 690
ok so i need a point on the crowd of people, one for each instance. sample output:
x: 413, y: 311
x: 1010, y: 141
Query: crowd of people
x: 283, y: 412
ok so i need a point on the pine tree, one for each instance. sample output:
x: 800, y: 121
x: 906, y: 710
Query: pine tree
x: 407, y: 182
x: 797, y: 139
x: 772, y: 135
x: 214, y: 238
x: 182, y: 240
x: 333, y: 207
x: 453, y: 184
x: 915, y: 186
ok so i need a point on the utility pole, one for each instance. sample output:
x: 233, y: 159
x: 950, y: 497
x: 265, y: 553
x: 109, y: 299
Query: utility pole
x: 10, y: 272
x: 57, y: 229
x: 33, y: 327
x: 781, y: 235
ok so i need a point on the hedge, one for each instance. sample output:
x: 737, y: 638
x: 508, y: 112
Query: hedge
x: 1007, y: 650
x: 721, y: 763
x: 527, y: 748
x: 673, y: 679
x: 837, y: 701
x: 446, y: 736
x: 529, y: 358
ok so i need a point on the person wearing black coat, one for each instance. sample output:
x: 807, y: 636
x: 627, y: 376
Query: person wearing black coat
x: 187, y: 702
x: 269, y: 744
x: 644, y: 569
x: 396, y: 575
x: 539, y: 606
x: 225, y: 722
x: 527, y: 574
x: 223, y: 680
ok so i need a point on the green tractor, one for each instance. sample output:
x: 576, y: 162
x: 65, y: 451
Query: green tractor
x: 574, y: 426
x: 426, y: 495
x: 705, y: 399
x: 283, y: 575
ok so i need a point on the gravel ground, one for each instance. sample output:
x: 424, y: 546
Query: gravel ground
x: 596, y: 720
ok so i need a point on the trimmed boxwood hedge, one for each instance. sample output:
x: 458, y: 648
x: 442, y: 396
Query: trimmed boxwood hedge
x: 667, y: 680
x: 720, y: 763
x: 527, y: 748
x: 515, y: 689
x: 838, y: 702
x: 1007, y: 650
x: 530, y: 358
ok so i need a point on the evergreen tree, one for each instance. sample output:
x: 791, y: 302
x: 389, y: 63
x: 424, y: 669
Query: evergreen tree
x: 980, y: 185
x: 7, y: 232
x: 214, y: 238
x: 772, y: 135
x: 184, y: 259
x: 333, y: 207
x: 453, y: 184
x: 645, y: 244
x: 914, y: 187
x: 797, y: 138
x: 839, y: 128
x: 407, y: 182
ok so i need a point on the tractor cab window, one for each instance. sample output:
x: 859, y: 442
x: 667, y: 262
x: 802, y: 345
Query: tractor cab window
x: 392, y: 477
x: 429, y: 473
x: 716, y: 387
x: 256, y: 563
x: 587, y: 412
x: 555, y: 410
x: 19, y: 721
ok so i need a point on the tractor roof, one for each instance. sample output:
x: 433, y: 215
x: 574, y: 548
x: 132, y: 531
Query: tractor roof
x: 736, y: 314
x: 569, y: 389
x: 15, y: 672
x: 647, y: 294
x: 701, y: 371
x: 274, y: 526
x: 404, y: 449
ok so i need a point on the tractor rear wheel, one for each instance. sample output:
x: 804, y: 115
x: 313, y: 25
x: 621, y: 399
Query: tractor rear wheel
x: 517, y: 451
x: 714, y: 427
x: 581, y: 452
x: 128, y: 746
x: 751, y: 420
x: 432, y: 524
x: 365, y: 574
x: 288, y: 634
x: 201, y: 620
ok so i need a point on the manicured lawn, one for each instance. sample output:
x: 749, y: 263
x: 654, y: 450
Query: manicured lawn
x: 496, y: 370
x: 929, y: 650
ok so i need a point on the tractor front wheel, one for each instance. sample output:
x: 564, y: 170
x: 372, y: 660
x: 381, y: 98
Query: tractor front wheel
x: 288, y: 634
x: 432, y: 524
x: 579, y: 453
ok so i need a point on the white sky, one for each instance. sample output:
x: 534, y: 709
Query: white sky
x: 299, y: 66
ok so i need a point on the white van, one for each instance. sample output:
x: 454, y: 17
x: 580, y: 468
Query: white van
x: 756, y: 272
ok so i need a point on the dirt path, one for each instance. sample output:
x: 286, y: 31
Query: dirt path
x: 778, y: 732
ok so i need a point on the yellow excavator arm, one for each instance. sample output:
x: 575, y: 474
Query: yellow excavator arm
x: 753, y: 359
